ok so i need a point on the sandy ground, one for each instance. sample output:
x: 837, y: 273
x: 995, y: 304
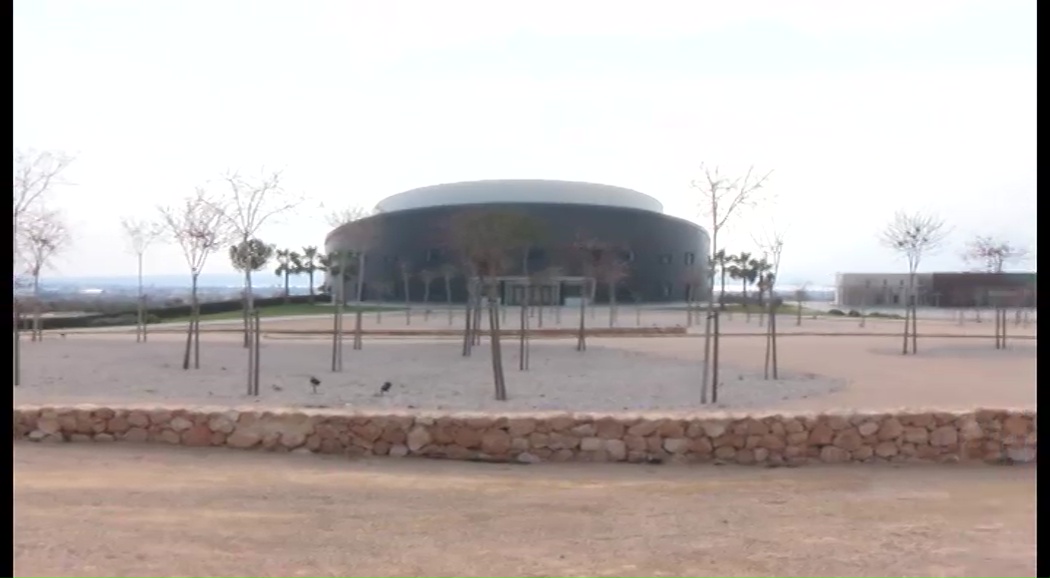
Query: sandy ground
x: 123, y: 510
x: 614, y: 374
x: 425, y: 374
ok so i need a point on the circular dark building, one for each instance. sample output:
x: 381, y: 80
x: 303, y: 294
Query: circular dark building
x: 660, y: 258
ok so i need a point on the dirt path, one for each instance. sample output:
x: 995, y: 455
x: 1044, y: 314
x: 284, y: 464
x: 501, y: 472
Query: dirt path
x: 126, y: 510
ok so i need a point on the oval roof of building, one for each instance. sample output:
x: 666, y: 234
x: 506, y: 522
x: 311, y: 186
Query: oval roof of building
x: 519, y: 191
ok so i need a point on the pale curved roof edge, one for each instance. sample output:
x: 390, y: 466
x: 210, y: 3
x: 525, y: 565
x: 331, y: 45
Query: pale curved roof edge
x: 519, y: 191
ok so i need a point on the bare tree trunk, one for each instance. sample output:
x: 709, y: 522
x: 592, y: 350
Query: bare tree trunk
x: 426, y: 302
x: 747, y: 308
x: 360, y: 294
x: 497, y: 354
x: 761, y: 316
x: 16, y: 352
x: 193, y: 329
x: 769, y: 347
x: 907, y: 323
x: 476, y: 331
x: 258, y: 350
x: 340, y: 310
x: 408, y: 303
x: 468, y: 339
x: 196, y: 327
x: 336, y: 314
x: 448, y: 299
x: 914, y: 327
x: 581, y: 337
x: 251, y: 354
x: 709, y: 324
x: 612, y: 304
x: 140, y: 325
x: 523, y: 337
x: 37, y: 334
x: 592, y: 288
x: 189, y: 341
x: 249, y: 305
x: 798, y: 315
x: 773, y: 330
x: 714, y: 345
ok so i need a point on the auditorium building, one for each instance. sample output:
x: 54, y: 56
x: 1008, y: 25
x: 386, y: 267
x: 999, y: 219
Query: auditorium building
x: 664, y: 257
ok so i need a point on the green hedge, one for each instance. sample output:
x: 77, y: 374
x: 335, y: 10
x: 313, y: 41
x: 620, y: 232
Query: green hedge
x: 157, y: 314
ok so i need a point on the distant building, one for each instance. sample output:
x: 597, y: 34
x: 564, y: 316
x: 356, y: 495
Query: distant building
x: 666, y: 256
x: 936, y: 289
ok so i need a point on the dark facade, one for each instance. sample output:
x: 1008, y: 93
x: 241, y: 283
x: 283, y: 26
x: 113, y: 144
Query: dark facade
x: 666, y: 256
x: 983, y: 289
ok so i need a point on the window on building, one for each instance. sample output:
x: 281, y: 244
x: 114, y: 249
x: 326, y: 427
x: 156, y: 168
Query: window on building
x: 690, y: 258
x: 665, y: 259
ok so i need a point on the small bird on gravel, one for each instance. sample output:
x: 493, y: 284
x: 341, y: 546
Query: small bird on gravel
x: 276, y: 387
x: 314, y: 382
x: 385, y: 387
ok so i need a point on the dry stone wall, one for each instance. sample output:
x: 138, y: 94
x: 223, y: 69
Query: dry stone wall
x: 983, y: 435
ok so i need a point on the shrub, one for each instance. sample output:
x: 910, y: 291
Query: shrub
x: 836, y: 312
x: 853, y: 313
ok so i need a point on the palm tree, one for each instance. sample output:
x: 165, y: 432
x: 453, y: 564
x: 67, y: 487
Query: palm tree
x: 761, y: 268
x: 742, y: 271
x: 310, y: 265
x: 722, y: 261
x: 287, y: 263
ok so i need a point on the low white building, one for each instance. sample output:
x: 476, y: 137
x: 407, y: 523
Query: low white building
x: 881, y: 289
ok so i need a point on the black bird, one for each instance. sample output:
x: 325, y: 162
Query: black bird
x: 314, y: 382
x: 385, y: 387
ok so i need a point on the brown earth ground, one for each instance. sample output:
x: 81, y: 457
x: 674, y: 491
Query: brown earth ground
x: 125, y: 510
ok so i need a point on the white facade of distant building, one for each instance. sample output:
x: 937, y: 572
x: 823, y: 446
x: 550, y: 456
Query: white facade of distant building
x: 880, y: 289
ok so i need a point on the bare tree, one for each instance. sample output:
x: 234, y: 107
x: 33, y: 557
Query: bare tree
x: 773, y: 247
x: 913, y: 235
x: 42, y: 236
x: 427, y: 276
x: 448, y: 271
x: 589, y: 254
x: 251, y: 255
x: 246, y: 207
x: 613, y: 270
x: 694, y: 278
x: 485, y: 239
x: 359, y: 238
x: 140, y: 235
x: 200, y: 228
x: 338, y: 266
x: 35, y: 173
x: 993, y: 254
x: 722, y: 197
x: 404, y: 270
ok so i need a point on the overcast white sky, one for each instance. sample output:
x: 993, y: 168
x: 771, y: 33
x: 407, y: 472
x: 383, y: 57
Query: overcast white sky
x: 860, y: 108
